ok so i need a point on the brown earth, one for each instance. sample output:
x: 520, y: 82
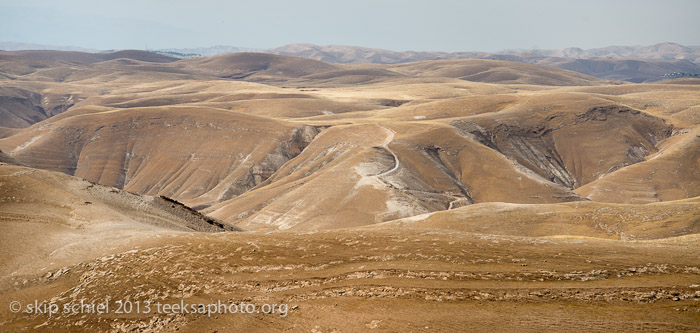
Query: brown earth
x: 470, y: 195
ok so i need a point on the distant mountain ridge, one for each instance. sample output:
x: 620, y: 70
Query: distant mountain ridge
x: 624, y: 63
x: 661, y: 51
x: 200, y: 51
x: 351, y: 54
x: 347, y: 54
x: 17, y: 46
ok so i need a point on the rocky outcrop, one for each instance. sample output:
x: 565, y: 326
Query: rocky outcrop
x: 573, y: 149
x: 301, y: 137
x: 20, y: 108
x: 9, y: 160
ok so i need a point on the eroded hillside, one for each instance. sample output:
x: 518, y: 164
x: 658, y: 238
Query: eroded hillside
x: 462, y: 189
x: 257, y: 154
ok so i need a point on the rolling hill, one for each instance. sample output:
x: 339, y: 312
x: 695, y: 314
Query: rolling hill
x: 633, y: 64
x: 79, y: 219
x: 419, y: 196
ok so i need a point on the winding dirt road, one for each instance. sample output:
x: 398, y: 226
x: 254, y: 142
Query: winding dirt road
x: 385, y: 145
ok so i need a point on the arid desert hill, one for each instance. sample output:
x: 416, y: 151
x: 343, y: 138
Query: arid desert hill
x: 350, y: 54
x: 65, y: 210
x: 253, y: 138
x: 420, y: 196
x: 625, y: 63
x: 637, y: 64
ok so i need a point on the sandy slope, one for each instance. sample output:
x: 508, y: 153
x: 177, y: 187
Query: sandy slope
x: 384, y: 280
x: 49, y: 220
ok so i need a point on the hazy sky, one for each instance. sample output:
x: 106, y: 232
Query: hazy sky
x: 398, y: 25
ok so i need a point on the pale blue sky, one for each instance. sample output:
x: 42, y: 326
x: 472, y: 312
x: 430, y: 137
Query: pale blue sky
x: 438, y: 25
